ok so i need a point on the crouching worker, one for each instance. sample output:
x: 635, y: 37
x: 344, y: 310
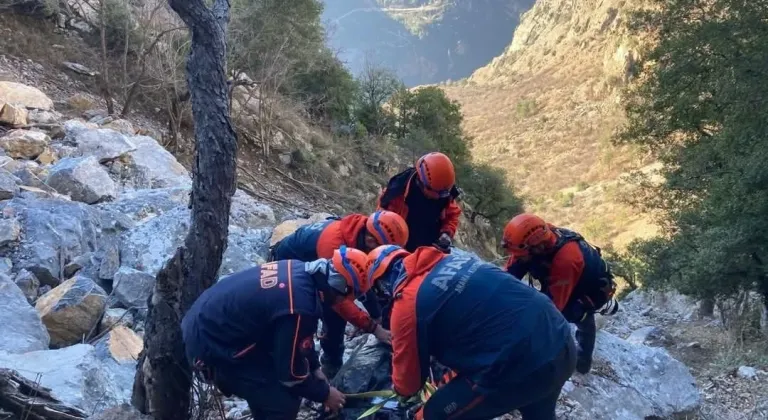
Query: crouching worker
x: 319, y: 240
x: 571, y: 272
x: 425, y: 196
x: 251, y: 333
x: 508, y: 345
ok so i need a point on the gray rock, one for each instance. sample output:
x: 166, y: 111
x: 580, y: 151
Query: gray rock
x: 133, y: 287
x: 32, y: 175
x: 110, y: 260
x: 120, y: 412
x: 633, y: 382
x: 24, y: 144
x: 20, y: 326
x: 144, y: 204
x: 149, y: 245
x: 71, y: 310
x: 121, y: 126
x: 248, y: 213
x: 78, y: 375
x: 8, y: 185
x: 10, y: 230
x: 83, y: 179
x: 116, y: 316
x: 746, y: 372
x: 103, y: 144
x: 6, y: 265
x: 29, y: 285
x: 650, y: 335
x: 153, y: 165
x: 77, y: 264
x: 38, y: 116
x: 55, y: 232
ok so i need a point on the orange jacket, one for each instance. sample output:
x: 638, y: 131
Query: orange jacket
x: 560, y: 275
x: 345, y: 231
x: 393, y: 198
x: 406, y: 359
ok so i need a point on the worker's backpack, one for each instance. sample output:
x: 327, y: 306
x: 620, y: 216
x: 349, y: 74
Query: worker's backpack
x: 596, y: 287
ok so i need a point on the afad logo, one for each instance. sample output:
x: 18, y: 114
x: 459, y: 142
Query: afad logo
x: 307, y: 344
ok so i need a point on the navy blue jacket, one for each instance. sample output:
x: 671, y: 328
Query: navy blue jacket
x: 266, y: 312
x: 472, y: 317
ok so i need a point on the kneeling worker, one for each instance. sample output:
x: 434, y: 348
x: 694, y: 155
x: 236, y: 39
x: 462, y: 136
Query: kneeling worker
x: 252, y: 332
x: 508, y: 345
x: 571, y: 272
x: 319, y: 240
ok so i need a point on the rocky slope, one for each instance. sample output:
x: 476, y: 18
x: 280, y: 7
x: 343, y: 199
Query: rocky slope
x: 424, y: 41
x: 546, y: 108
x: 90, y: 211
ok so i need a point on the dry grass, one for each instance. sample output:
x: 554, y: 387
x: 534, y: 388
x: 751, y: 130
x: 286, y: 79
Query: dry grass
x: 546, y: 113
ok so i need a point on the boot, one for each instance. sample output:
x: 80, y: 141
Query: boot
x: 583, y: 362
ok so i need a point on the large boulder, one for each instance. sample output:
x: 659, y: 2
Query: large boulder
x: 120, y: 344
x: 55, y: 232
x: 20, y: 326
x: 26, y: 96
x: 133, y: 287
x: 140, y: 205
x: 71, y: 310
x: 628, y: 382
x: 163, y: 221
x: 8, y: 185
x: 289, y: 226
x: 154, y: 167
x: 116, y: 316
x: 28, y: 283
x: 13, y: 115
x: 632, y: 382
x: 84, y: 179
x: 103, y: 144
x: 79, y: 375
x: 10, y: 229
x: 24, y: 144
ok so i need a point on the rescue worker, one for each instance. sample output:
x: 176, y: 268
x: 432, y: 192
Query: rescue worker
x: 424, y: 196
x: 571, y: 272
x: 251, y: 333
x: 319, y: 240
x: 507, y: 344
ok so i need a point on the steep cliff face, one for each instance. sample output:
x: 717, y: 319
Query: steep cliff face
x: 546, y: 108
x: 425, y: 41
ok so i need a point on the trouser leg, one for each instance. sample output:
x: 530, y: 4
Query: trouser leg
x: 255, y: 382
x: 535, y: 395
x: 586, y: 333
x: 332, y: 343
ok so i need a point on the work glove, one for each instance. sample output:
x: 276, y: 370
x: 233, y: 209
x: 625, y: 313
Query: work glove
x: 444, y: 242
x: 610, y: 308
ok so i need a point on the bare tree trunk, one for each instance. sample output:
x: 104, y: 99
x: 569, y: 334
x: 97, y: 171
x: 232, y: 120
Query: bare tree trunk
x: 162, y: 383
x: 105, y: 91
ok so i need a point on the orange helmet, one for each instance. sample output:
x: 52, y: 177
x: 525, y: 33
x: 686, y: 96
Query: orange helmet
x: 351, y: 264
x: 381, y: 258
x: 388, y: 228
x: 436, y: 175
x: 526, y: 232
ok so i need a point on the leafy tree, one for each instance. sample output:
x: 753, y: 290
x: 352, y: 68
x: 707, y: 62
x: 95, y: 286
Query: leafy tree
x: 428, y: 110
x: 701, y: 109
x: 488, y: 194
x: 377, y: 85
x: 326, y: 87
